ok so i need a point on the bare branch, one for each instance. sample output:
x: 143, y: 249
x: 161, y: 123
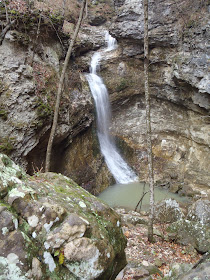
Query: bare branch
x: 3, y: 33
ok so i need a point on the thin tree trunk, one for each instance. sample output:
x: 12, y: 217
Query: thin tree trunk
x: 6, y: 10
x: 60, y: 86
x: 148, y: 120
x: 64, y: 7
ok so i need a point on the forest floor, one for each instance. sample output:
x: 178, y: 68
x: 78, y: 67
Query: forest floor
x: 158, y: 256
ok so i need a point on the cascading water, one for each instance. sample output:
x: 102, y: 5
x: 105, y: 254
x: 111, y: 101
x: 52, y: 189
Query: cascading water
x: 119, y: 168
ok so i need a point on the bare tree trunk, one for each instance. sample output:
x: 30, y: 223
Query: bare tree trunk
x: 64, y: 7
x: 60, y: 86
x: 148, y: 120
x: 6, y: 10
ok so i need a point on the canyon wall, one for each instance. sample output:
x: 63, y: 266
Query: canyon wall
x: 179, y: 84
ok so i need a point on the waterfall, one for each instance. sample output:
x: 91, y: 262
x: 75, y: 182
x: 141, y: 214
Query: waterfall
x: 119, y: 168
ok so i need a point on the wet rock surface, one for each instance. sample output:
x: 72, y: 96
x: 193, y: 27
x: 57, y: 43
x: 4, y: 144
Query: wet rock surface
x: 51, y: 227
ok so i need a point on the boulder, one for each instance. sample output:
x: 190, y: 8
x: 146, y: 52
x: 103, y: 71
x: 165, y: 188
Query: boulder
x: 131, y: 217
x: 168, y: 211
x: 200, y: 271
x: 138, y: 271
x: 195, y: 229
x: 52, y: 228
x: 200, y: 211
x: 177, y: 269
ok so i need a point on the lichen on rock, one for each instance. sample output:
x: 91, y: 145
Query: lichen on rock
x: 194, y: 229
x: 44, y: 218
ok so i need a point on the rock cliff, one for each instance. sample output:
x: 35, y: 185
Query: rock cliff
x: 178, y: 35
x: 179, y: 84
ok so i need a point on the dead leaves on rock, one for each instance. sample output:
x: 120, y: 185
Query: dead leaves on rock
x: 160, y: 254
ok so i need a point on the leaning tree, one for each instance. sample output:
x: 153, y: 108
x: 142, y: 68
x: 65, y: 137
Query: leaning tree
x: 60, y: 88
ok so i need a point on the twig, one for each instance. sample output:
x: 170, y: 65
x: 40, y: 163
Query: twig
x: 140, y: 200
x: 203, y: 258
x: 60, y: 87
x: 86, y: 10
x: 64, y: 7
x: 36, y: 169
x: 3, y: 33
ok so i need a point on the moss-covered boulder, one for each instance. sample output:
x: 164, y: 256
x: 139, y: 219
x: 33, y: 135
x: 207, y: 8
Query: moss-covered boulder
x: 52, y: 228
x: 195, y: 229
x: 168, y: 211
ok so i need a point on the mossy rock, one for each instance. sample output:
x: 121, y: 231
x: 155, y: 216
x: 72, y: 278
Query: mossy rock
x: 190, y: 232
x: 6, y: 145
x: 3, y: 114
x: 65, y: 230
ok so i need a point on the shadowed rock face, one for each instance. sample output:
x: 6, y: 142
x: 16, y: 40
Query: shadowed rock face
x: 28, y: 97
x: 51, y: 227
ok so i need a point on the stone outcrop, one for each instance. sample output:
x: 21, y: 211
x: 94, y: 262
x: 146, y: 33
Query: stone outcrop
x: 194, y: 229
x: 186, y: 272
x: 179, y: 88
x: 28, y: 96
x: 178, y: 35
x: 51, y: 227
x: 168, y: 211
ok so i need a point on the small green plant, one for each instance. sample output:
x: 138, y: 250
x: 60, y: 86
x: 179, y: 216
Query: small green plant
x: 6, y: 145
x: 191, y: 23
x: 122, y: 85
x: 44, y: 110
x: 3, y: 114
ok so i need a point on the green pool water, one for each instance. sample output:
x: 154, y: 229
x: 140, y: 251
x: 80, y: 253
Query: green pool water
x: 128, y: 195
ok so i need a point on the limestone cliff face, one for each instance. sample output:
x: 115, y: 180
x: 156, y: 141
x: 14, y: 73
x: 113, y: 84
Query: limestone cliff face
x: 29, y: 71
x: 179, y: 84
x: 178, y: 31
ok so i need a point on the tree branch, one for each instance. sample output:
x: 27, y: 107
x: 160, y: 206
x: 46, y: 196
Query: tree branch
x: 4, y: 31
x: 60, y: 86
